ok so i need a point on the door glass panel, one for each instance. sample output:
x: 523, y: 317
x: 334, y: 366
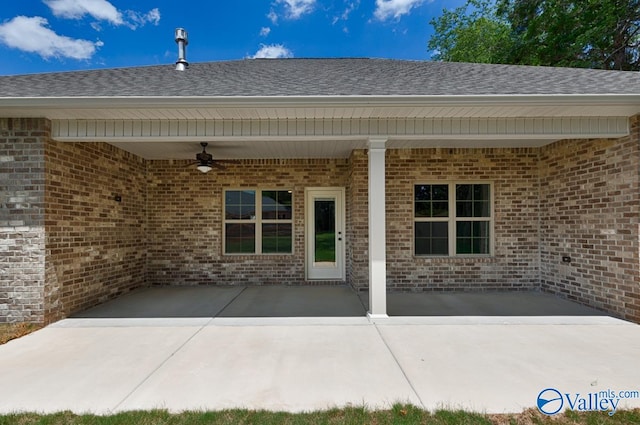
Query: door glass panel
x: 325, y: 230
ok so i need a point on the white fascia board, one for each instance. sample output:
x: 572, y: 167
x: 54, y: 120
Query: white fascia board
x: 173, y: 102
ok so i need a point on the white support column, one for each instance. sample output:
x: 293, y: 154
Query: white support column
x: 377, y: 230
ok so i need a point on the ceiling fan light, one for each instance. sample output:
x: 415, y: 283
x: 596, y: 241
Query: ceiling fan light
x: 204, y: 168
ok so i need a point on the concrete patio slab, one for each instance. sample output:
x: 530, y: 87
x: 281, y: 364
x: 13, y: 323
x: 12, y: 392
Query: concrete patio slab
x: 167, y: 301
x: 489, y: 303
x: 502, y: 368
x: 83, y: 369
x: 295, y: 301
x: 496, y: 364
x: 289, y: 368
x: 207, y: 348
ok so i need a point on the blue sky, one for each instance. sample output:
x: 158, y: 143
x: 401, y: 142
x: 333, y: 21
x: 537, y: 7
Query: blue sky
x: 64, y: 35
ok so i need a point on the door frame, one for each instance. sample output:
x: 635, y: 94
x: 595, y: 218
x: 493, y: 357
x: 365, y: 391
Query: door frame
x: 331, y: 273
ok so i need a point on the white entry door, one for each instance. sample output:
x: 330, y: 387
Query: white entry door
x: 325, y: 236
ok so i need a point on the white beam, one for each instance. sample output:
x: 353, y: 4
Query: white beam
x: 377, y: 230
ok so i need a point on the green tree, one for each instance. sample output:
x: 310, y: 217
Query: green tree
x: 471, y: 33
x: 576, y: 33
x: 585, y: 33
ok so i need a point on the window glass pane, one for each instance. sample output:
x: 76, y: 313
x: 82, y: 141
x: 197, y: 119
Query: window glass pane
x: 481, y: 192
x: 440, y: 230
x: 269, y: 204
x: 240, y: 238
x: 440, y: 192
x: 431, y: 238
x: 472, y: 237
x: 440, y: 246
x: 423, y: 230
x: 248, y: 197
x: 276, y: 205
x: 481, y: 229
x: 473, y: 200
x: 481, y: 209
x: 464, y: 209
x: 422, y: 192
x: 325, y: 231
x: 481, y: 246
x: 285, y: 205
x: 431, y: 200
x: 440, y: 209
x: 240, y: 205
x: 423, y: 209
x: 276, y: 238
x: 464, y: 192
x: 463, y: 246
x: 463, y: 229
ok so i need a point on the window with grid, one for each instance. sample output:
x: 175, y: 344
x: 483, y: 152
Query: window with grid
x: 258, y: 222
x: 452, y: 219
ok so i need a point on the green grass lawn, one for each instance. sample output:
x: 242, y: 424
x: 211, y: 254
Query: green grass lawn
x: 398, y: 415
x: 325, y: 247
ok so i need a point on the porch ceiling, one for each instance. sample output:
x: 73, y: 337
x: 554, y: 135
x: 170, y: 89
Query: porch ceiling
x: 325, y: 126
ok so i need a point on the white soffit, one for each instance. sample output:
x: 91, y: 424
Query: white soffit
x: 327, y: 138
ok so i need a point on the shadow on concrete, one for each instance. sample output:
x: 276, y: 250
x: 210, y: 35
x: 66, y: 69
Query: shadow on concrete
x: 492, y: 303
x: 325, y: 301
x: 216, y: 301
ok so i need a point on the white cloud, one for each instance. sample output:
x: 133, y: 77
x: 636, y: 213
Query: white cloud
x: 102, y: 10
x: 297, y: 8
x: 273, y: 51
x: 31, y: 34
x: 265, y: 31
x: 273, y: 17
x: 137, y: 19
x: 351, y: 6
x: 386, y: 9
x: 293, y: 9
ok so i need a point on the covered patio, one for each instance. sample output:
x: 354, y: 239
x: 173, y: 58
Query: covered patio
x: 326, y: 301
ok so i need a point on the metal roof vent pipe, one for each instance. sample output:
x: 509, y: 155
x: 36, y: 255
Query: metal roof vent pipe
x: 182, y: 40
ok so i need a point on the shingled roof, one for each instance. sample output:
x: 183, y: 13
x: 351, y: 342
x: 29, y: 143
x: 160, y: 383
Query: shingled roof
x: 322, y: 77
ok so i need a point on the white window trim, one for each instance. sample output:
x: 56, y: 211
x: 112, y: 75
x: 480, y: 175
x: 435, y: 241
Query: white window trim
x: 257, y: 221
x: 453, y: 219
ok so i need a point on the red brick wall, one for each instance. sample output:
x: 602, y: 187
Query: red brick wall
x: 96, y: 246
x: 185, y: 220
x: 514, y: 173
x: 590, y: 203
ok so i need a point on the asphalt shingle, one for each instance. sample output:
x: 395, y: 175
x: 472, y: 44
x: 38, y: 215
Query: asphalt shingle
x: 322, y: 77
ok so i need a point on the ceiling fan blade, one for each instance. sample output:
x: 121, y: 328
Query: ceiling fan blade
x: 216, y: 164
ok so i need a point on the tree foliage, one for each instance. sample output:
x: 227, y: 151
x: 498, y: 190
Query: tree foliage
x: 576, y: 33
x: 471, y: 33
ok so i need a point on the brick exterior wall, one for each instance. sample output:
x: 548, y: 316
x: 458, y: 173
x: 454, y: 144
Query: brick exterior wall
x: 357, y: 194
x: 96, y: 246
x: 22, y: 233
x: 590, y: 202
x: 185, y: 220
x: 514, y: 174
